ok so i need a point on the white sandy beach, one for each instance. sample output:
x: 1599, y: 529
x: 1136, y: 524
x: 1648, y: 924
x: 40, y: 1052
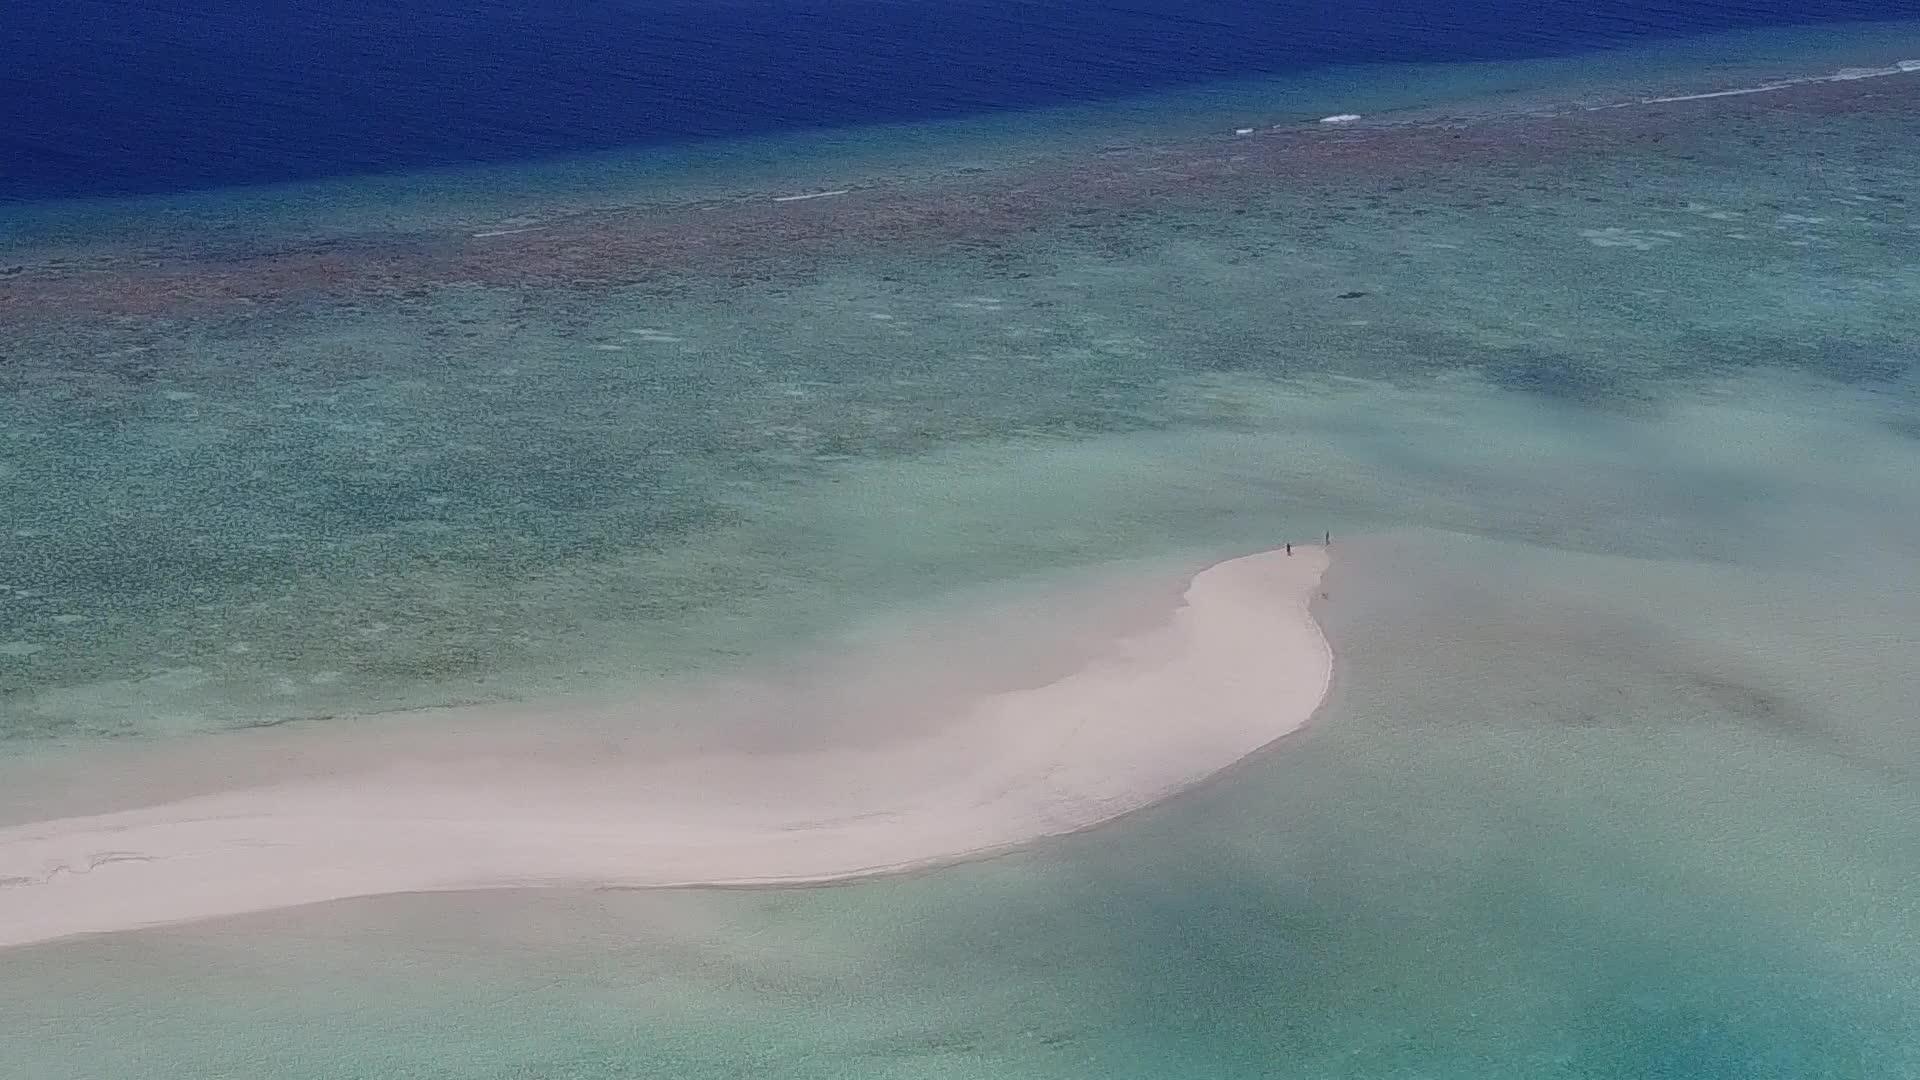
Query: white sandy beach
x: 1238, y: 665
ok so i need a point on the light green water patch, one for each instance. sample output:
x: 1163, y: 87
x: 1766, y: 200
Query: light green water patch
x: 1618, y: 778
x: 1568, y: 816
x: 496, y: 599
x: 479, y: 493
x: 473, y: 493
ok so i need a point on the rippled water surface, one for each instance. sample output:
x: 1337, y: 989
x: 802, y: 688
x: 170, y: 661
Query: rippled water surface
x: 1612, y: 415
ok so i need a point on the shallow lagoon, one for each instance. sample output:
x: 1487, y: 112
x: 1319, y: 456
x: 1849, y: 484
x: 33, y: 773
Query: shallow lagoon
x: 1617, y: 443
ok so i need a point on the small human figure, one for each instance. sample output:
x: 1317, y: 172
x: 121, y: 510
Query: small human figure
x: 1289, y: 549
x: 1329, y: 541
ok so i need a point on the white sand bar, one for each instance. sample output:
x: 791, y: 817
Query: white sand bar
x: 1239, y: 664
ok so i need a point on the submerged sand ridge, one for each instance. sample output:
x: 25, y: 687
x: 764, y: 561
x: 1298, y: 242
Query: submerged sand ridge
x: 1240, y: 663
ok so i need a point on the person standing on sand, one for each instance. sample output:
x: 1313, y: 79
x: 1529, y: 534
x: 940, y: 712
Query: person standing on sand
x: 1289, y: 549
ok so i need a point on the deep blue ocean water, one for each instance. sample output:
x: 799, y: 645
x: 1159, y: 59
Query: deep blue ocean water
x: 115, y: 97
x: 1615, y: 430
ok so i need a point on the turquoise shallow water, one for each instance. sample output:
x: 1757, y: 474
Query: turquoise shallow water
x: 1613, y: 417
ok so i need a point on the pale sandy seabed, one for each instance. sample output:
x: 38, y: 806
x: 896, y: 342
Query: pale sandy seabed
x: 1612, y: 415
x: 1238, y: 665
